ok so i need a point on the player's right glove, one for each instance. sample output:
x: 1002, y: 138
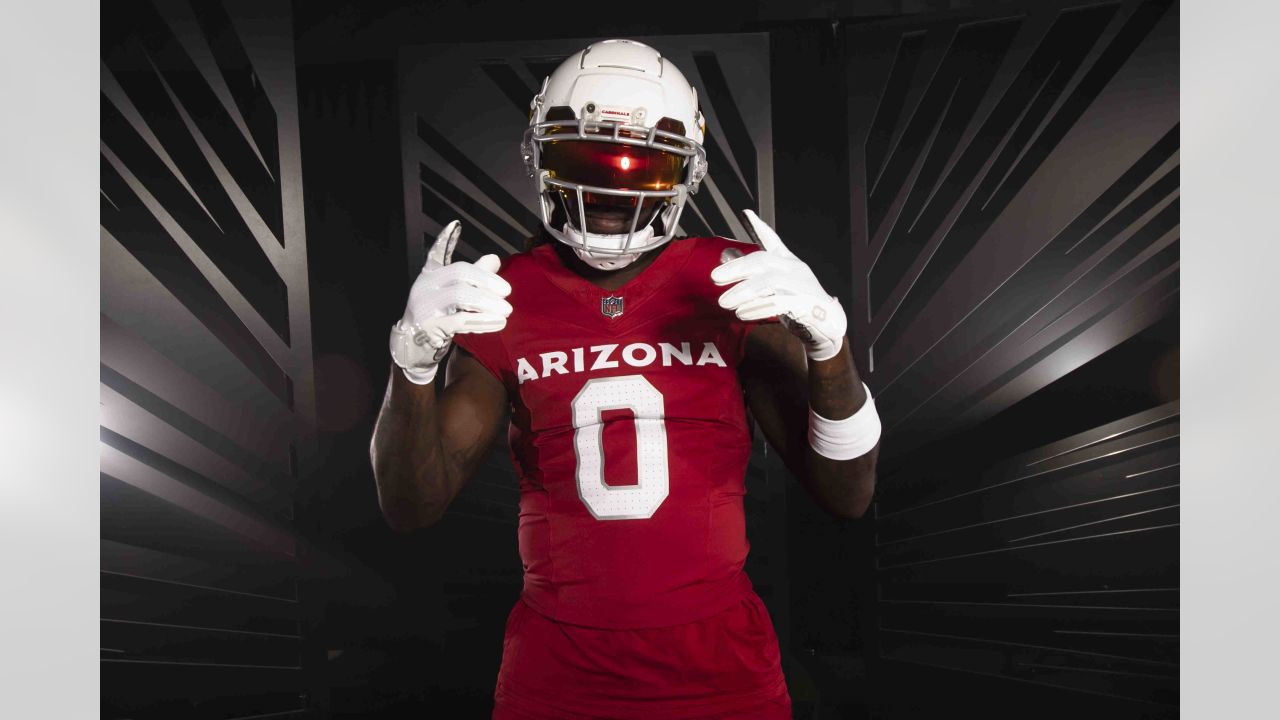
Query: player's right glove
x: 446, y: 299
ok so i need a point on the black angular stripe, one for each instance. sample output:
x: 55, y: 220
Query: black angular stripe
x: 208, y: 114
x: 717, y: 225
x: 194, y: 480
x: 192, y: 428
x: 735, y: 130
x: 1095, y: 79
x: 258, y: 597
x: 966, y: 70
x: 889, y: 111
x: 1153, y: 266
x: 200, y: 690
x: 691, y: 223
x: 1155, y: 228
x: 1022, y: 295
x: 1070, y: 243
x: 139, y: 232
x: 1125, y: 511
x: 1164, y: 221
x: 440, y: 211
x: 231, y: 247
x: 975, y: 219
x: 247, y: 92
x: 727, y: 182
x: 140, y: 639
x: 511, y: 85
x: 963, y: 78
x: 478, y: 177
x: 432, y: 180
x: 134, y: 516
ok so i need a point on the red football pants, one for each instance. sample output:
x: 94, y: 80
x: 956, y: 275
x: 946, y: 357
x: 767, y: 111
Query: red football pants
x: 723, y: 666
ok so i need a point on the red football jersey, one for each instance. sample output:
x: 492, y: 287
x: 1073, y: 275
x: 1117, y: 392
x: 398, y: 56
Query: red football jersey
x: 630, y: 437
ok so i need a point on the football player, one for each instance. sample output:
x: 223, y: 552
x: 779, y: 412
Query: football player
x: 629, y: 361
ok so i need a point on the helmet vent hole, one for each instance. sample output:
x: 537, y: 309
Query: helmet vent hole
x: 671, y: 125
x: 560, y: 112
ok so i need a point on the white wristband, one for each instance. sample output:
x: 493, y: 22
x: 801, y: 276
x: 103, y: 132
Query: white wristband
x: 848, y: 438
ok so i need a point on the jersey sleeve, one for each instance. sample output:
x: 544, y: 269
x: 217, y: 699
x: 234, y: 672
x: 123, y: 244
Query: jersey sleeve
x: 490, y: 351
x: 740, y: 329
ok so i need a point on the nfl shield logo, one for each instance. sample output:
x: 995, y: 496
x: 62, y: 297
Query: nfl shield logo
x: 611, y: 307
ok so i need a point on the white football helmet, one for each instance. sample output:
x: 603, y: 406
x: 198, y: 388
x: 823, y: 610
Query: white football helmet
x: 615, y: 125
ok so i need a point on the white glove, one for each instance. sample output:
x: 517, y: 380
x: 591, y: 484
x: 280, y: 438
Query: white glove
x: 773, y: 281
x: 447, y: 299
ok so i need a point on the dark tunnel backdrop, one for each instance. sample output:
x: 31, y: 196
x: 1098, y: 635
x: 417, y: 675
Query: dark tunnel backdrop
x: 990, y: 188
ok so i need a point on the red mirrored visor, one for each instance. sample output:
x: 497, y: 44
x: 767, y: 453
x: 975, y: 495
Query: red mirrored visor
x: 611, y: 165
x: 624, y: 204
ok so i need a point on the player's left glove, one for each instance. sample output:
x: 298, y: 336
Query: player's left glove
x: 773, y: 281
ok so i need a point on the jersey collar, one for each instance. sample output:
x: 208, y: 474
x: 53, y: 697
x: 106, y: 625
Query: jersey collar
x: 635, y: 292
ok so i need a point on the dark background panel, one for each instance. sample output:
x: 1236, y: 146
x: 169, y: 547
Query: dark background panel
x: 1014, y: 208
x: 206, y: 364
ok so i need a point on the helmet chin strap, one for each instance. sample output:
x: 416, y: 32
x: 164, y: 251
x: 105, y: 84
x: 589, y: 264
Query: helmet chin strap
x: 601, y: 261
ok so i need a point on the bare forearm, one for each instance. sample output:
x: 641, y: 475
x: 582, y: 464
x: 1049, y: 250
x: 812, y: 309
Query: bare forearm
x: 835, y: 390
x: 409, y: 462
x: 845, y: 487
x: 783, y: 384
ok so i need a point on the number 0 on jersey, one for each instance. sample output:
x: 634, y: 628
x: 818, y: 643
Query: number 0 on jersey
x: 625, y: 392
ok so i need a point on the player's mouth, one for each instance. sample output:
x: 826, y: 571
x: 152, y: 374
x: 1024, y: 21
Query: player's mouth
x: 615, y: 220
x: 608, y: 220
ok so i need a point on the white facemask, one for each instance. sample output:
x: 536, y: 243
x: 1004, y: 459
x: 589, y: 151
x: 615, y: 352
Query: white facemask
x: 601, y: 261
